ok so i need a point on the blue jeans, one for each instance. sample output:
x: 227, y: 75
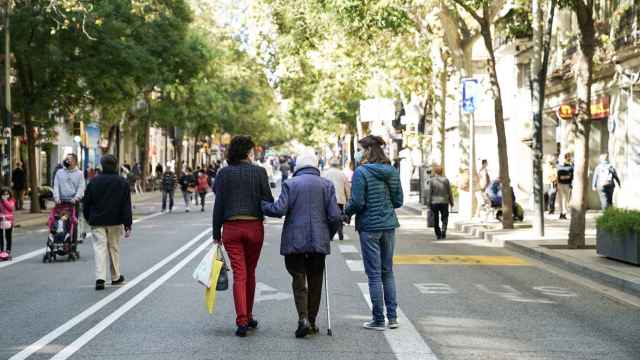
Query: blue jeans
x: 377, y: 254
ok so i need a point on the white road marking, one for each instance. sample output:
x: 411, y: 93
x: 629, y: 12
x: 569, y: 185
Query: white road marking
x: 22, y: 257
x: 38, y: 252
x: 555, y: 291
x: 97, y: 329
x: 262, y: 288
x: 54, y: 334
x: 405, y: 341
x: 512, y: 294
x: 355, y: 265
x: 346, y: 237
x: 347, y: 249
x: 435, y: 288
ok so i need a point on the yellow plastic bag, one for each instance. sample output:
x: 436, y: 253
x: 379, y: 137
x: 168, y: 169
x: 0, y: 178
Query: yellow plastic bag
x: 210, y: 293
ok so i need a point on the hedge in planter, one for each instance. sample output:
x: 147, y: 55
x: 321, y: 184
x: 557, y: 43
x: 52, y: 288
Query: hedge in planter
x: 618, y: 235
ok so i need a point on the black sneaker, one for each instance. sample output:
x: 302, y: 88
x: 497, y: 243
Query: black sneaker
x: 202, y: 210
x: 303, y: 329
x: 253, y: 324
x: 99, y: 284
x: 120, y: 281
x: 393, y: 324
x: 373, y: 325
x: 242, y: 331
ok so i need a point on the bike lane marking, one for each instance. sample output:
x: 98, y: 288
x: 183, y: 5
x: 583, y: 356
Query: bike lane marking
x: 41, y: 251
x: 405, y: 342
x: 54, y: 334
x: 72, y: 348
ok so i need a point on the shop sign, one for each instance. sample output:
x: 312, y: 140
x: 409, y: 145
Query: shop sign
x: 599, y: 109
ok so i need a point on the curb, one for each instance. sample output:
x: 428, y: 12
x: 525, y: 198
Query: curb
x: 546, y: 256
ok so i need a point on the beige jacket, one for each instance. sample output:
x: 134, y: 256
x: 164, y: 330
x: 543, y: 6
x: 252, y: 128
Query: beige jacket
x: 340, y: 182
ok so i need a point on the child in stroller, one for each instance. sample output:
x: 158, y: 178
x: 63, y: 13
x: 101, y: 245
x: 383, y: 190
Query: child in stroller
x: 494, y: 201
x: 62, y: 224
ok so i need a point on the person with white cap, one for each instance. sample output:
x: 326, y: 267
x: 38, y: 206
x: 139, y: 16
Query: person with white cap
x: 342, y: 186
x: 312, y: 218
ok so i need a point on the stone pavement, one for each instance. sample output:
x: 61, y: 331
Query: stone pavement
x: 551, y: 248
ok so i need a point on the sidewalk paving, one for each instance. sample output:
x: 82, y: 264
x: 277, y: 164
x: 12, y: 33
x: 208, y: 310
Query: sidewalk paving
x: 552, y: 248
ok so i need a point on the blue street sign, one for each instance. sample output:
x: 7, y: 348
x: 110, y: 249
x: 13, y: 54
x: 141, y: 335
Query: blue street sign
x: 470, y: 91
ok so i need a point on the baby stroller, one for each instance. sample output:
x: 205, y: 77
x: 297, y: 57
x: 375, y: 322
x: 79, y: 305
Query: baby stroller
x: 62, y: 223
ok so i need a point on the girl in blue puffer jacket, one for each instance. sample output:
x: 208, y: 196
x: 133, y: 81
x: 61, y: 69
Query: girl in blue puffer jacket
x: 375, y: 194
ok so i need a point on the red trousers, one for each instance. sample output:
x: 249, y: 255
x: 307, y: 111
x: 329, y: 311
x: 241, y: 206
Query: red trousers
x: 243, y: 241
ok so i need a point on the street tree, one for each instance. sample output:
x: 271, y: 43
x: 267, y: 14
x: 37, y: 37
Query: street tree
x: 484, y: 13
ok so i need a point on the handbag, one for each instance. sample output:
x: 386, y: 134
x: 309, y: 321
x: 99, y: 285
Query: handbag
x: 223, y: 278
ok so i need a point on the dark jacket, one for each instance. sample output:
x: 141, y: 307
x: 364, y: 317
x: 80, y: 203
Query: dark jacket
x: 311, y: 212
x: 107, y: 201
x: 187, y: 180
x: 19, y: 179
x: 169, y: 181
x: 239, y: 190
x: 565, y: 174
x: 375, y: 194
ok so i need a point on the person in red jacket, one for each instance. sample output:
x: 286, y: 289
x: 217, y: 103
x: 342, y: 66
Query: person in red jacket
x: 202, y: 187
x: 7, y: 206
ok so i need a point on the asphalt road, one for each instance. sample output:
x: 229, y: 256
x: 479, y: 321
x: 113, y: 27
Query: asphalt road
x: 453, y: 306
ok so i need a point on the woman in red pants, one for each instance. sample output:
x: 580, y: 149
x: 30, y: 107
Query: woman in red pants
x: 237, y: 222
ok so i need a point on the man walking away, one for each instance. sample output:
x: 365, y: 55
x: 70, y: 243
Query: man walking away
x: 19, y: 179
x: 169, y: 182
x: 342, y: 186
x: 484, y: 180
x: 284, y: 170
x: 107, y: 208
x: 604, y: 181
x: 312, y: 218
x: 69, y: 185
x: 188, y: 187
x: 439, y: 200
x: 565, y: 181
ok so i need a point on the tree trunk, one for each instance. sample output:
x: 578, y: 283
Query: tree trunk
x: 539, y: 65
x: 443, y: 114
x: 31, y: 157
x: 582, y: 124
x: 503, y: 158
x: 145, y: 152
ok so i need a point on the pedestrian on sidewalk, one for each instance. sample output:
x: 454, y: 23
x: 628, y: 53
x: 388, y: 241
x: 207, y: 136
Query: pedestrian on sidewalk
x: 375, y: 194
x: 604, y: 181
x: 202, y: 187
x: 159, y: 170
x: 439, y: 199
x: 240, y: 188
x: 188, y: 187
x: 7, y: 207
x: 69, y: 186
x: 484, y: 180
x: 312, y: 217
x: 169, y: 182
x: 342, y: 188
x: 565, y: 183
x: 19, y: 180
x: 138, y: 178
x: 107, y: 209
x: 550, y: 184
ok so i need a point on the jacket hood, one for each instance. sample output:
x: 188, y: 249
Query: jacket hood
x: 308, y: 170
x: 382, y: 172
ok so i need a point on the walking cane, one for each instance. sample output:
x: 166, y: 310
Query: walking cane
x: 327, y: 301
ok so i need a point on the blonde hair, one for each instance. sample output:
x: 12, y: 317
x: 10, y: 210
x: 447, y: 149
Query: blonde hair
x: 437, y: 169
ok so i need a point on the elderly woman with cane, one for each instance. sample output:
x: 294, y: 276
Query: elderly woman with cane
x: 312, y: 218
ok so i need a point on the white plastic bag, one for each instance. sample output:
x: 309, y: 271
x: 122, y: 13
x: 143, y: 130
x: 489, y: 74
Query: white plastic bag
x: 202, y: 273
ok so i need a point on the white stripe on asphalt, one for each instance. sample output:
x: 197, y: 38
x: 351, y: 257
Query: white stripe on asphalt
x: 48, y: 338
x: 22, y: 257
x: 97, y: 329
x: 346, y: 237
x: 38, y: 252
x: 355, y: 265
x: 405, y: 341
x: 346, y: 249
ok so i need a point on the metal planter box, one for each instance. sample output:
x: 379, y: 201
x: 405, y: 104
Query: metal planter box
x: 624, y: 247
